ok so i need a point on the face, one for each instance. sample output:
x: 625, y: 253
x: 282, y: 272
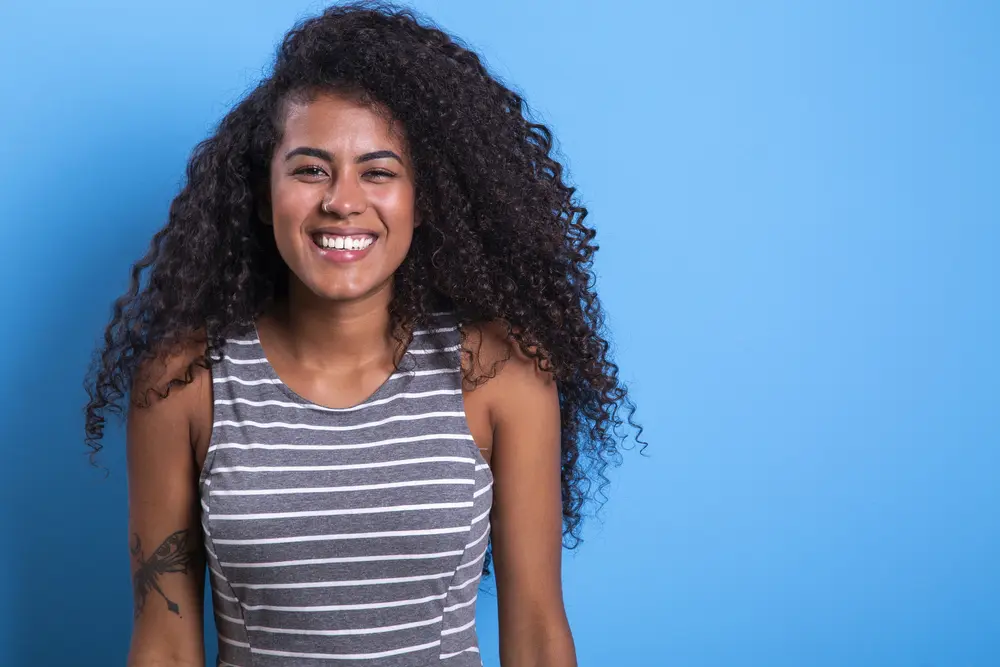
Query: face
x: 342, y: 199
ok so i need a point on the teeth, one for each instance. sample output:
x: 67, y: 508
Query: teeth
x: 339, y: 242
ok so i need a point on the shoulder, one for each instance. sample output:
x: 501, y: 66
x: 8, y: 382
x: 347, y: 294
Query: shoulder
x: 494, y: 363
x: 169, y: 368
x: 172, y: 389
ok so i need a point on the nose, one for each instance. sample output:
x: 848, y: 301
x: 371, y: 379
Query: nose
x: 345, y: 197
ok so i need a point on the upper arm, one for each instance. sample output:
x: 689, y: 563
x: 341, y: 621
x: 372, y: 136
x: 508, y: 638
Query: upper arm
x: 165, y: 537
x: 527, y: 509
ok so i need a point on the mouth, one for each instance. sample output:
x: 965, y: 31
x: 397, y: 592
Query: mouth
x: 343, y: 245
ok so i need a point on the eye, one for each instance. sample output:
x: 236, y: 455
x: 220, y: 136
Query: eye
x: 311, y: 171
x: 379, y: 174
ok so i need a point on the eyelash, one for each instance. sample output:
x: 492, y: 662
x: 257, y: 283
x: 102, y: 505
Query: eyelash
x: 311, y: 171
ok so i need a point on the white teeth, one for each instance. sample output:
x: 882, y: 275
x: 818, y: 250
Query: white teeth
x: 339, y: 242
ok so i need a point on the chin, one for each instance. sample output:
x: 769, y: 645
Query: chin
x: 340, y: 291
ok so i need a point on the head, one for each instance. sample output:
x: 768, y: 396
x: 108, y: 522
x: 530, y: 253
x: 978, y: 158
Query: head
x: 378, y: 126
x: 340, y: 196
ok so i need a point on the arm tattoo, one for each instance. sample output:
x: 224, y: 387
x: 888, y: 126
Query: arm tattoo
x: 174, y: 555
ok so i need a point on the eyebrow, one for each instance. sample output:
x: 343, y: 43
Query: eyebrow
x: 326, y: 155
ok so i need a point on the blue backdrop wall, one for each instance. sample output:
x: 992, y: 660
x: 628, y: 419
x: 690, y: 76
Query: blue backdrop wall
x: 798, y: 209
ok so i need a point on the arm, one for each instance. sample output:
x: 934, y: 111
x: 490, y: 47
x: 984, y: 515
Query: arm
x: 527, y: 517
x: 165, y: 538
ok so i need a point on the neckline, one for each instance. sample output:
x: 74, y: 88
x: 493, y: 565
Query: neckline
x: 272, y: 374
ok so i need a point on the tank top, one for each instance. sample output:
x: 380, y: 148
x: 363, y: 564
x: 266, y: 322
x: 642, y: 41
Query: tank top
x: 352, y: 536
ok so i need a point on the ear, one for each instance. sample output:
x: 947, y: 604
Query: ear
x: 264, y: 213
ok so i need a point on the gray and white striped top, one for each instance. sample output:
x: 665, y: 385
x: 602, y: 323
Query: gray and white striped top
x: 351, y: 536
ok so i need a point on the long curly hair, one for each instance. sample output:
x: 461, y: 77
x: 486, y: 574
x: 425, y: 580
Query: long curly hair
x: 502, y: 237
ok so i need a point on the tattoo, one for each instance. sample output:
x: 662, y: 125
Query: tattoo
x: 174, y: 555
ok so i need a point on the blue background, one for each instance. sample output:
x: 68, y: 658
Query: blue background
x: 799, y: 219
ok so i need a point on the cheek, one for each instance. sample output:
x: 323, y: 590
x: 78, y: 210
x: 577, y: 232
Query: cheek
x: 397, y: 210
x: 289, y: 207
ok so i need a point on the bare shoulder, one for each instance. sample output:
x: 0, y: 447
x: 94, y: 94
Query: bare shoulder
x: 501, y: 383
x: 168, y: 369
x: 171, y: 388
x: 490, y: 351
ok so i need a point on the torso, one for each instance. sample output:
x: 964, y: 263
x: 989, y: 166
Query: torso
x: 475, y: 399
x: 350, y: 534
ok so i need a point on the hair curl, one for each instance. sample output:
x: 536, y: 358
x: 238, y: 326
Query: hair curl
x: 502, y: 238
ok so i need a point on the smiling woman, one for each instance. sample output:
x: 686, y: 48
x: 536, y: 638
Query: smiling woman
x: 359, y: 179
x: 362, y: 361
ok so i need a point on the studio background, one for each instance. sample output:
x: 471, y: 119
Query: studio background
x: 798, y: 212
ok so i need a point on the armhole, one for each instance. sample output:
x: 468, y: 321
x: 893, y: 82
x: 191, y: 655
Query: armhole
x: 206, y: 467
x: 474, y: 446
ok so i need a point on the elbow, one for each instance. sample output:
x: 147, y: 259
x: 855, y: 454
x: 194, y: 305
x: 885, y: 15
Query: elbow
x: 539, y: 642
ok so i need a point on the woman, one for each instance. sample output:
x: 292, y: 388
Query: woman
x: 363, y: 359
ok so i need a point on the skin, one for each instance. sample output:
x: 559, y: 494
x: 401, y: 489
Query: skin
x: 329, y: 342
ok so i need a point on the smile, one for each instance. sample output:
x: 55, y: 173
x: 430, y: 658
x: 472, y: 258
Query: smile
x: 343, y: 248
x: 342, y: 242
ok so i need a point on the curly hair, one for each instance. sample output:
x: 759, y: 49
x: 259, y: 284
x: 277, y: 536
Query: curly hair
x: 502, y: 238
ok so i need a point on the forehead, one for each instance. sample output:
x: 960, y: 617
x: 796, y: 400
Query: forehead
x: 328, y: 119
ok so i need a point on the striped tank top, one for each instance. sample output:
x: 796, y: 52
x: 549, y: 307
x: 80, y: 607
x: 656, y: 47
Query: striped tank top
x: 351, y: 536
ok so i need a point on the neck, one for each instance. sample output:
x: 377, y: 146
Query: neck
x: 336, y: 334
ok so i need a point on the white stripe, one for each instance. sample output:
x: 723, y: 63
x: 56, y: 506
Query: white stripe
x: 326, y: 448
x: 480, y: 517
x: 346, y: 607
x: 248, y: 383
x: 424, y: 332
x: 345, y: 582
x: 245, y: 362
x: 354, y: 427
x: 340, y: 512
x: 347, y: 656
x: 471, y: 649
x: 461, y: 605
x: 434, y: 350
x: 479, y: 539
x: 336, y: 489
x: 238, y: 621
x: 223, y: 663
x: 344, y: 559
x: 224, y: 596
x: 321, y: 408
x: 482, y: 466
x: 345, y: 466
x: 453, y: 631
x: 207, y: 481
x: 473, y: 562
x: 232, y: 341
x: 483, y: 490
x: 433, y: 371
x: 462, y: 585
x: 227, y: 640
x: 355, y: 631
x: 347, y: 536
